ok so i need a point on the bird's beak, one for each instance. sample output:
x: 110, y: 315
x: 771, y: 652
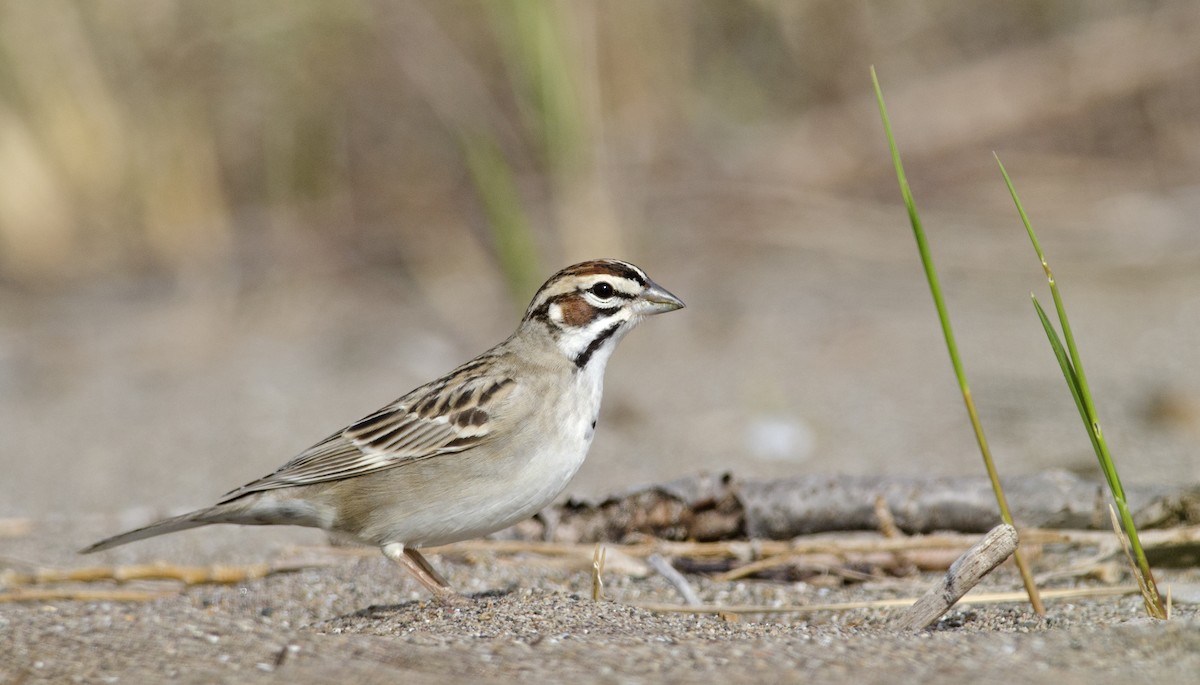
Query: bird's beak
x: 656, y: 300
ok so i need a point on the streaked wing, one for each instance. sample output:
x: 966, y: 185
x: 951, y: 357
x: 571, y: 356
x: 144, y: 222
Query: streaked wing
x: 450, y: 415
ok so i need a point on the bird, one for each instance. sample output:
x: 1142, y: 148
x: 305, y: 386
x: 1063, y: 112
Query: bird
x: 485, y: 446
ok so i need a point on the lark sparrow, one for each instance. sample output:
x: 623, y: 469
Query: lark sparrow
x: 479, y: 449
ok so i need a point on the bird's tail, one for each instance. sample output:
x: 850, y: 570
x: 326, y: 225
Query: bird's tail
x: 195, y: 519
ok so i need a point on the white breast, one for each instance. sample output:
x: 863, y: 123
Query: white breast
x: 501, y: 489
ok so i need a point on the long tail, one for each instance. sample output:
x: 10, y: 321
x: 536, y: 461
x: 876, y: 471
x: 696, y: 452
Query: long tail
x: 195, y: 519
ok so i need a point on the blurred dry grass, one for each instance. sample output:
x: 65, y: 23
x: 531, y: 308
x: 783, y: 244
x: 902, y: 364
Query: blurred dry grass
x: 224, y: 224
x: 173, y: 138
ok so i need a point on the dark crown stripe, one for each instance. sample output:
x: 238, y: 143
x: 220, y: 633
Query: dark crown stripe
x: 583, y: 357
x: 627, y: 271
x: 604, y: 266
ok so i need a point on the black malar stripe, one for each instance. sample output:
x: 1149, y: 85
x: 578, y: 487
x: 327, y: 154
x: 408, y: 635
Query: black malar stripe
x: 583, y: 357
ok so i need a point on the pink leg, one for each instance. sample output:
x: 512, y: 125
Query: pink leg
x: 416, y: 564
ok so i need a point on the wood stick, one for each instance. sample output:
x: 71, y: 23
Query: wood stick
x: 964, y: 574
x: 675, y: 578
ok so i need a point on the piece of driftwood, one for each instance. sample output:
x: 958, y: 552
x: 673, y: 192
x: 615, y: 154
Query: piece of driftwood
x: 832, y: 553
x: 963, y: 574
x: 735, y: 559
x: 719, y: 507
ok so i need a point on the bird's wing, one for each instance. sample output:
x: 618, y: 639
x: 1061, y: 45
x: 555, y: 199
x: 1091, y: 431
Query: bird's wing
x: 452, y: 414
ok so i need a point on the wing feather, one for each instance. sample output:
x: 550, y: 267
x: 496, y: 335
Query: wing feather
x: 468, y: 405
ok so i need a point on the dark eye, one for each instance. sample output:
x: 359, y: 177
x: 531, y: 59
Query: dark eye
x: 603, y: 290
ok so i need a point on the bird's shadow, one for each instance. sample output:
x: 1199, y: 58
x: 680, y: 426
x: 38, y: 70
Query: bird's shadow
x: 474, y: 601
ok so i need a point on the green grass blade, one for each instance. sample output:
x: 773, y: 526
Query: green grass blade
x: 1068, y: 336
x: 914, y: 219
x: 1072, y: 367
x: 951, y: 346
x: 1078, y: 381
x: 1060, y: 353
x: 1064, y: 362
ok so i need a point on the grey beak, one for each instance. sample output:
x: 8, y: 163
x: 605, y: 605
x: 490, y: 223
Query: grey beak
x: 656, y: 300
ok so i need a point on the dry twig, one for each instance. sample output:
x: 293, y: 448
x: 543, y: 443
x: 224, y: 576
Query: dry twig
x: 675, y: 578
x: 964, y: 574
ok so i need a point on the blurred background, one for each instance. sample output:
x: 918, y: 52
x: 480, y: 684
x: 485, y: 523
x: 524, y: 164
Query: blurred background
x: 228, y: 228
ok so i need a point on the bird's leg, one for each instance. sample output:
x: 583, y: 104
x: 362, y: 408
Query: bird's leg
x: 416, y: 564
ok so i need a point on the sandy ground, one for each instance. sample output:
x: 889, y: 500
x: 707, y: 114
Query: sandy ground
x: 359, y: 620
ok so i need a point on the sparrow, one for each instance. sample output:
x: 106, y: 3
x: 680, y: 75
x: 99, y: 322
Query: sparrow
x: 483, y: 447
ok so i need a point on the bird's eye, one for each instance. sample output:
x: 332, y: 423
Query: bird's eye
x: 603, y: 290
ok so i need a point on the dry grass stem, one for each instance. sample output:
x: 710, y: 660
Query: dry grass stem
x: 755, y: 567
x: 58, y: 595
x: 188, y: 575
x: 598, y: 556
x: 887, y: 522
x: 1149, y: 595
x: 979, y: 598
